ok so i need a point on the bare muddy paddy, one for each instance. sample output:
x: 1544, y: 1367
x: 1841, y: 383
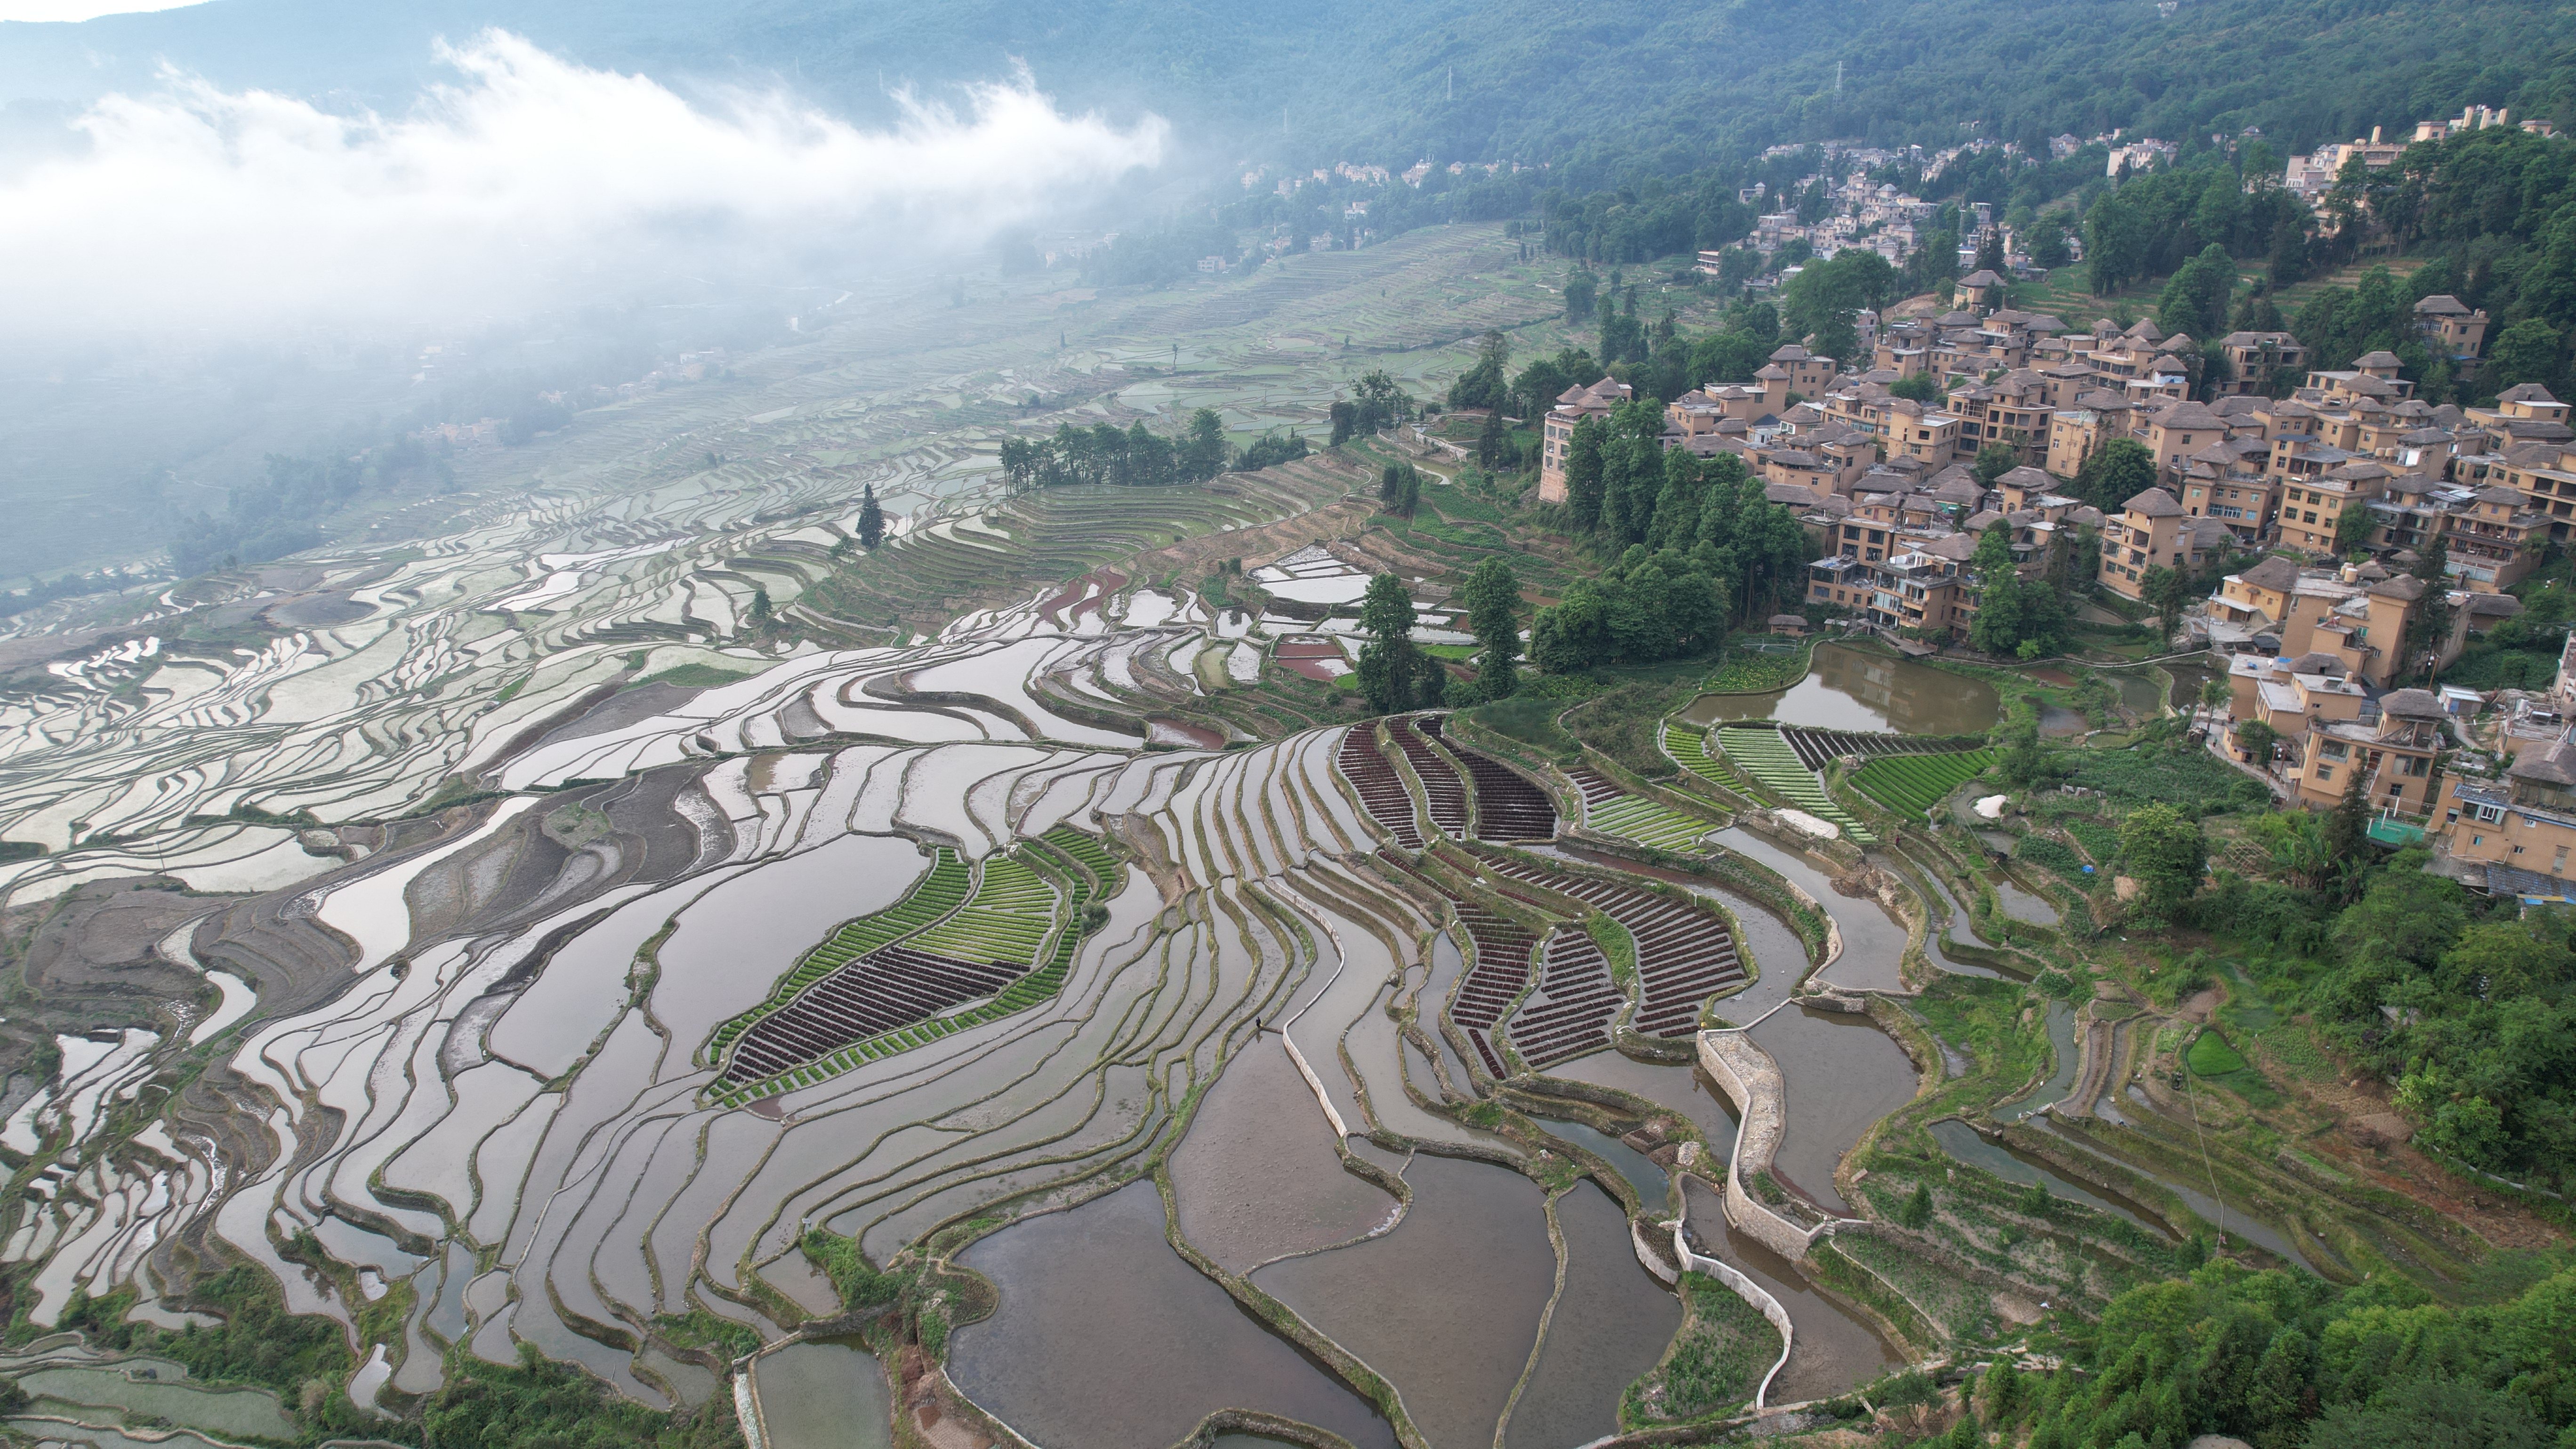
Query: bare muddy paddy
x: 1683, y: 1090
x: 1447, y: 1306
x: 1107, y: 1340
x: 1841, y: 1074
x: 1864, y: 690
x: 1257, y: 1177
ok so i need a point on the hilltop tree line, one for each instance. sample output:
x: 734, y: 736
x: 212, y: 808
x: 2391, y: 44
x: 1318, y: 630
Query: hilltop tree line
x: 1138, y: 457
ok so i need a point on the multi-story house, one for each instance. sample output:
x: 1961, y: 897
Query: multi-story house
x: 2391, y: 746
x: 2254, y: 359
x: 1556, y: 434
x: 2223, y: 482
x: 2452, y: 329
x: 2014, y: 410
x: 2312, y: 504
x: 1808, y: 374
x: 2152, y: 531
x: 2358, y: 614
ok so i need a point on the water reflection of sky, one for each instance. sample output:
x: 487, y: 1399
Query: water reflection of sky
x: 1855, y: 689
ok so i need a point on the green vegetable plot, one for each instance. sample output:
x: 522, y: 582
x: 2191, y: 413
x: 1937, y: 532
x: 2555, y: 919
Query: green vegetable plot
x: 1767, y: 758
x: 1912, y: 784
x: 1645, y: 821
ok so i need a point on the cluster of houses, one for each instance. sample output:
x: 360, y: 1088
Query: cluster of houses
x: 2317, y: 642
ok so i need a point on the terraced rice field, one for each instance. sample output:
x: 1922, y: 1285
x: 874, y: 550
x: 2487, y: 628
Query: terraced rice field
x: 1818, y: 748
x: 563, y: 946
x: 1614, y: 811
x: 1912, y: 784
x: 1771, y: 760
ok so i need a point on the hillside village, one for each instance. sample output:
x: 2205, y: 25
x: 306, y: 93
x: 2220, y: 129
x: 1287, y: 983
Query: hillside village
x: 2338, y: 540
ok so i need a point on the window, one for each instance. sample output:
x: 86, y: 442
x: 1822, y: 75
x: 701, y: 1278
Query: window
x: 2488, y: 814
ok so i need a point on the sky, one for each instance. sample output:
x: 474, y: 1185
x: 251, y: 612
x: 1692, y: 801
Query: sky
x: 524, y: 182
x: 84, y: 9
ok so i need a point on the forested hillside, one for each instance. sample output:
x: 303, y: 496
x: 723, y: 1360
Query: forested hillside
x: 1577, y: 88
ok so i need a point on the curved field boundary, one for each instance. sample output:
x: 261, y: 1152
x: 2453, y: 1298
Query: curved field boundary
x: 1769, y: 759
x: 1748, y: 1290
x: 999, y: 915
x: 1911, y: 784
x: 941, y: 890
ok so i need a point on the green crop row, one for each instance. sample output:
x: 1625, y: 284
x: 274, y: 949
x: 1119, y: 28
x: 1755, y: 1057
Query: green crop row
x: 1767, y: 758
x: 1643, y: 820
x: 1096, y: 877
x: 940, y: 891
x: 1912, y: 784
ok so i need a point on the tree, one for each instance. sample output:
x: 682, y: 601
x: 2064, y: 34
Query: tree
x: 1202, y: 452
x: 2163, y: 851
x: 1399, y: 487
x: 2048, y: 246
x: 1392, y: 670
x: 2195, y: 298
x: 1916, y: 1210
x: 1493, y: 598
x: 1491, y: 440
x: 2167, y: 591
x: 2122, y: 470
x: 871, y: 519
x: 2352, y: 527
x: 1482, y: 385
x: 1581, y: 289
x: 1990, y: 250
x: 1994, y: 460
x: 2527, y: 351
x: 2348, y: 828
x: 1583, y: 472
x: 1922, y: 387
x: 762, y: 615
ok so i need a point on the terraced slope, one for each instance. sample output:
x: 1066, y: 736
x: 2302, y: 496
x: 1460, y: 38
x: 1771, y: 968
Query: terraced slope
x: 1441, y: 786
x: 1614, y: 811
x: 1571, y: 1011
x: 905, y: 993
x: 1770, y: 759
x: 1913, y: 784
x: 1381, y: 789
x: 1816, y: 748
x: 942, y: 890
x: 1508, y: 806
x: 1688, y: 745
x: 1500, y: 974
x: 1684, y: 954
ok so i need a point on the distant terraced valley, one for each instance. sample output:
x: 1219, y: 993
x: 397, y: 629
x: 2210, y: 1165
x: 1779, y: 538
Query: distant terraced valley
x: 1012, y: 972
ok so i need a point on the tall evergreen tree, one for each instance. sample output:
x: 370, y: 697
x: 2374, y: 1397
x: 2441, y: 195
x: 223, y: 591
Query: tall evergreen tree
x: 871, y: 519
x: 1493, y: 598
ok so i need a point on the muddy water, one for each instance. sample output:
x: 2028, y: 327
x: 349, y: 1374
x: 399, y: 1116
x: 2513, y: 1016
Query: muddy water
x: 1106, y: 1340
x: 1447, y: 1306
x: 2021, y: 905
x: 823, y: 1396
x: 1257, y: 1177
x: 1652, y: 1186
x: 1961, y: 930
x: 1873, y: 940
x: 1963, y: 1142
x: 2061, y: 1040
x: 1841, y: 1073
x: 1610, y: 1324
x: 1830, y: 1349
x: 1448, y: 963
x: 1685, y: 1091
x: 1856, y: 689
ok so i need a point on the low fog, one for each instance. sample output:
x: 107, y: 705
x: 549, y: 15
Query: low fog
x: 526, y: 182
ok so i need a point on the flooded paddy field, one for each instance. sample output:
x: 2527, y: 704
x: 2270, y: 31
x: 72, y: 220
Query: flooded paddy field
x: 1447, y: 1306
x: 1106, y: 1338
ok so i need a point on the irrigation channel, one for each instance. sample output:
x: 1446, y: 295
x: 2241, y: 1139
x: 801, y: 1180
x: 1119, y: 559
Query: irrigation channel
x: 1198, y: 1057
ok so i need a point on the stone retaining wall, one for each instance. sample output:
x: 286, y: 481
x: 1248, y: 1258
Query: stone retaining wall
x: 1752, y: 1080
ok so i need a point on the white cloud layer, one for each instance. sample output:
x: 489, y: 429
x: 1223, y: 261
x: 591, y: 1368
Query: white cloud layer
x: 528, y: 182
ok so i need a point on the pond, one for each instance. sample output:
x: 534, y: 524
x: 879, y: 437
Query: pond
x: 822, y: 1395
x: 1862, y: 689
x: 1640, y: 1170
x: 1106, y: 1338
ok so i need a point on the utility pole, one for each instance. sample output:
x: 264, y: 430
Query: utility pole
x: 1453, y: 83
x: 1838, y: 77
